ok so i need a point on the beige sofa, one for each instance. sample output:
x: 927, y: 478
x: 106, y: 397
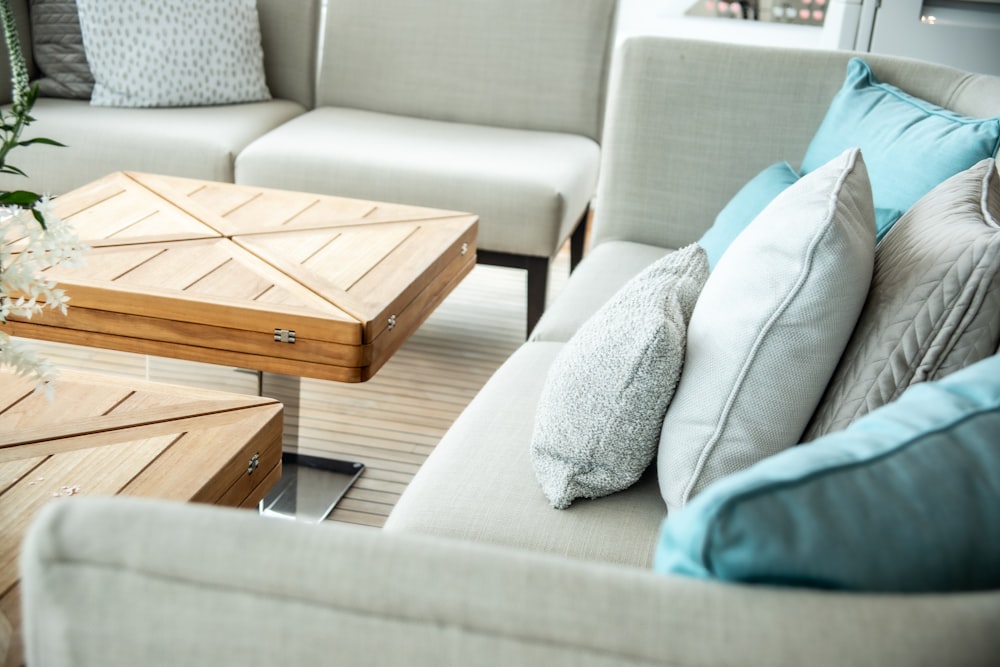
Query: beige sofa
x: 473, y: 566
x: 200, y: 142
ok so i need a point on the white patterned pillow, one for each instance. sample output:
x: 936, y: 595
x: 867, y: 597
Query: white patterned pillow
x: 769, y: 329
x: 602, y: 405
x: 163, y: 53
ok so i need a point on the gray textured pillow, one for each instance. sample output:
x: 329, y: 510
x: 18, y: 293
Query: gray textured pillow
x: 934, y: 305
x: 769, y: 328
x: 599, y: 415
x: 57, y: 46
x: 165, y: 53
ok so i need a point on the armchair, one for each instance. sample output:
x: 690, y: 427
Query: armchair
x: 489, y: 107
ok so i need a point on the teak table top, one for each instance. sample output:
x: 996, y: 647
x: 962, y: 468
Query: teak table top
x: 115, y: 436
x: 272, y: 280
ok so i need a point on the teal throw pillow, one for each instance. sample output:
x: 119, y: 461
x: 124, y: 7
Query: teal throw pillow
x: 910, y: 145
x: 744, y: 207
x: 903, y: 500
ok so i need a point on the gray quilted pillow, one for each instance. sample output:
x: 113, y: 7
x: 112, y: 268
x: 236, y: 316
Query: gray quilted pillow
x: 602, y: 405
x: 57, y: 46
x: 934, y: 304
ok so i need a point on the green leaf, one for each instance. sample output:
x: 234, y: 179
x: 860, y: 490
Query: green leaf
x: 20, y: 198
x: 39, y: 217
x: 40, y: 140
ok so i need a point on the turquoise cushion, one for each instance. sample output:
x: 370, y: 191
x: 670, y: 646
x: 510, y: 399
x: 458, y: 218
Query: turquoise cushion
x: 909, y: 144
x: 753, y: 198
x: 905, y: 499
x: 744, y: 207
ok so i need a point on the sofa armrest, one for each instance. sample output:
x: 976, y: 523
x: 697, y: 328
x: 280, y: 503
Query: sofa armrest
x: 129, y: 581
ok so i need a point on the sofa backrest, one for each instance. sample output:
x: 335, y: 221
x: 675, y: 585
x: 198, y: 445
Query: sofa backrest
x: 690, y: 122
x: 516, y: 63
x: 289, y: 33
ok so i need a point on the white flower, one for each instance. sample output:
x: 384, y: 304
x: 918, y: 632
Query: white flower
x: 27, y: 251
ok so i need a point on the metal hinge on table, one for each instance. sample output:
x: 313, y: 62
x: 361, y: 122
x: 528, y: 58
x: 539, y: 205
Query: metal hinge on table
x: 284, y: 336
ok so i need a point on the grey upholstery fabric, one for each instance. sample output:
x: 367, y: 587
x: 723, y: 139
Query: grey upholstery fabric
x: 478, y: 483
x: 769, y: 328
x: 120, y: 582
x: 599, y: 416
x: 934, y: 305
x: 663, y: 130
x: 58, y: 49
x: 519, y: 63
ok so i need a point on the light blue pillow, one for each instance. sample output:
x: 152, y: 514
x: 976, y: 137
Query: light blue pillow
x: 910, y: 145
x: 905, y: 499
x: 744, y: 207
x: 753, y: 198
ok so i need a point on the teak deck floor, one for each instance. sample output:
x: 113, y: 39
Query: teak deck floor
x: 393, y: 421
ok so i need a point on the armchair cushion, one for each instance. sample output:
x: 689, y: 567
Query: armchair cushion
x: 769, y: 328
x: 528, y: 188
x: 601, y: 410
x: 150, y: 53
x: 910, y: 145
x: 903, y: 500
x: 934, y: 304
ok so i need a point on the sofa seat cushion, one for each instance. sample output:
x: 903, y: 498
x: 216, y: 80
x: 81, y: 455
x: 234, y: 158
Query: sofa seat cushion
x: 197, y: 142
x: 528, y: 188
x: 603, y: 271
x: 478, y: 484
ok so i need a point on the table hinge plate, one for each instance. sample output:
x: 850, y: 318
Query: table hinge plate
x: 284, y: 336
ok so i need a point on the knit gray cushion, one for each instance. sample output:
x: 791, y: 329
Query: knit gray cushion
x: 57, y: 46
x: 598, y: 420
x: 934, y: 305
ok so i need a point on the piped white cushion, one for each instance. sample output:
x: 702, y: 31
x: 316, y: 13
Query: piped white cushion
x: 769, y: 329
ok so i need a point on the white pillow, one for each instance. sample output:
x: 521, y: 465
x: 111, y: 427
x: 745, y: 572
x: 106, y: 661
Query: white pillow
x: 163, y: 53
x: 599, y: 416
x: 769, y: 328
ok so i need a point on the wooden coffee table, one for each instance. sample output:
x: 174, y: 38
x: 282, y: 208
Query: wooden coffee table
x: 285, y: 282
x: 113, y: 436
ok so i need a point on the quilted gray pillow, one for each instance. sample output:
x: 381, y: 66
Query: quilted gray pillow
x: 165, y: 53
x: 602, y: 405
x: 57, y: 46
x: 934, y: 305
